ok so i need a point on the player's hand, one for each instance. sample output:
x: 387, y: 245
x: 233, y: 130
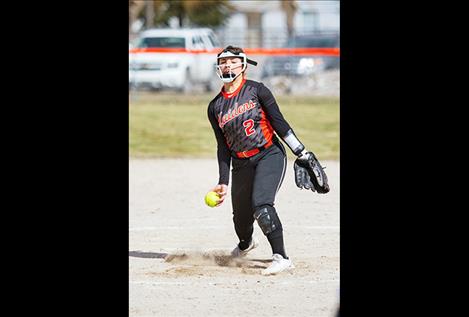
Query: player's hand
x: 221, y: 190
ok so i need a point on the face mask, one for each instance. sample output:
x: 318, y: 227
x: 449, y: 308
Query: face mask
x: 229, y: 76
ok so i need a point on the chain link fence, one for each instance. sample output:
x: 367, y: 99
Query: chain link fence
x: 305, y: 74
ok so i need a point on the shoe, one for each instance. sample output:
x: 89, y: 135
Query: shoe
x: 278, y: 265
x: 237, y: 252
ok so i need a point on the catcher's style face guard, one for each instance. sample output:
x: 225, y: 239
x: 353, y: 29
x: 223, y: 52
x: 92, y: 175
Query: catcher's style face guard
x: 226, y: 74
x: 229, y: 76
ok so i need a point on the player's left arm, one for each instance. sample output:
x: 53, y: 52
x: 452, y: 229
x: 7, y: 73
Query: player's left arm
x: 309, y: 173
x: 278, y: 122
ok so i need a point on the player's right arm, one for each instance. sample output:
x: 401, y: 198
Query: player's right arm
x: 221, y: 190
x: 223, y: 156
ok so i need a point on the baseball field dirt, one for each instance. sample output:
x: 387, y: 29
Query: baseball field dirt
x: 179, y: 263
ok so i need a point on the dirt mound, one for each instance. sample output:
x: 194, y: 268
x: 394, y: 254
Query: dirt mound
x: 201, y: 258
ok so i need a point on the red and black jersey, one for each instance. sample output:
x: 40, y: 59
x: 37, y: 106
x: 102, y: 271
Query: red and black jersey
x: 243, y: 121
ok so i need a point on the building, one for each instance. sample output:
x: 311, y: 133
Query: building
x: 264, y: 23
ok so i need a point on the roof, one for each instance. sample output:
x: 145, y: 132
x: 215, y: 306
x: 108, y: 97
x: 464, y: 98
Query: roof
x: 256, y: 6
x: 174, y: 32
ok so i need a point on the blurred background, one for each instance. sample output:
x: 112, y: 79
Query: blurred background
x: 247, y: 24
x: 172, y: 56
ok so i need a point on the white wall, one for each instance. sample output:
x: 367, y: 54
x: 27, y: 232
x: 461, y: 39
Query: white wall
x: 274, y: 28
x: 326, y: 12
x: 233, y: 32
x: 311, y: 16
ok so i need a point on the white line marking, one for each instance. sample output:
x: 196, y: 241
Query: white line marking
x: 233, y: 283
x: 223, y: 227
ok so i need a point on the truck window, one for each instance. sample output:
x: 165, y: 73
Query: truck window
x: 197, y: 42
x: 164, y: 42
x: 214, y: 40
x: 312, y: 42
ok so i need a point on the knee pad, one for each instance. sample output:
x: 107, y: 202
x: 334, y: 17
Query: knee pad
x: 267, y: 219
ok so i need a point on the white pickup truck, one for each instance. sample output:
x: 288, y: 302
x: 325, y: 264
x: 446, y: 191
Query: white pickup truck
x: 174, y: 58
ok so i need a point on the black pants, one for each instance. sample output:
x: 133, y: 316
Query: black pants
x: 255, y: 183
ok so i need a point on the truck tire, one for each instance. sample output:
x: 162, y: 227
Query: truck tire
x: 188, y: 83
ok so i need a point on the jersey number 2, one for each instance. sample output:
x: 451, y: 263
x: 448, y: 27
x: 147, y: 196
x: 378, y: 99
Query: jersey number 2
x: 248, y: 124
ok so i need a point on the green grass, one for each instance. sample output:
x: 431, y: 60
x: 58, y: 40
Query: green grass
x: 173, y: 125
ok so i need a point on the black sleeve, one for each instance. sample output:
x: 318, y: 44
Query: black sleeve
x: 272, y: 111
x: 278, y: 122
x: 223, y: 153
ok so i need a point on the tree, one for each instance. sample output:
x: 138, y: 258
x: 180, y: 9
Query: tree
x: 135, y: 8
x: 209, y: 13
x: 289, y: 7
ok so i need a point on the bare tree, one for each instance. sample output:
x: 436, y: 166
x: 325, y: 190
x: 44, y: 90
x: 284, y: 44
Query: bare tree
x: 209, y: 13
x: 150, y: 14
x: 135, y: 7
x: 289, y: 7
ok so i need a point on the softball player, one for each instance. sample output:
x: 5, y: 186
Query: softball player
x: 247, y: 123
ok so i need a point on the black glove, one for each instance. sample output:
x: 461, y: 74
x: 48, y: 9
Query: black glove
x: 309, y: 173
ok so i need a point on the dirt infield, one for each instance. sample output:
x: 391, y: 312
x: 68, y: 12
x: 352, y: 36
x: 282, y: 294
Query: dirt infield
x: 179, y: 262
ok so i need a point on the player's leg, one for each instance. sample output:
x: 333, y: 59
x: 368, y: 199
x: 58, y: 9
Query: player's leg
x: 269, y: 175
x: 241, y: 199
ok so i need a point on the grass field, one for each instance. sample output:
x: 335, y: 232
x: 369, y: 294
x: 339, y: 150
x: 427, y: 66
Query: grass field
x: 173, y: 125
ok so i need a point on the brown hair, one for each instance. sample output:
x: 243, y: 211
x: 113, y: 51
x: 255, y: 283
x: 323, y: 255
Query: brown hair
x: 232, y: 49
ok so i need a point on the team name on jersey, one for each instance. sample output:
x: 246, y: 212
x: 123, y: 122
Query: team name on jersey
x: 233, y: 113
